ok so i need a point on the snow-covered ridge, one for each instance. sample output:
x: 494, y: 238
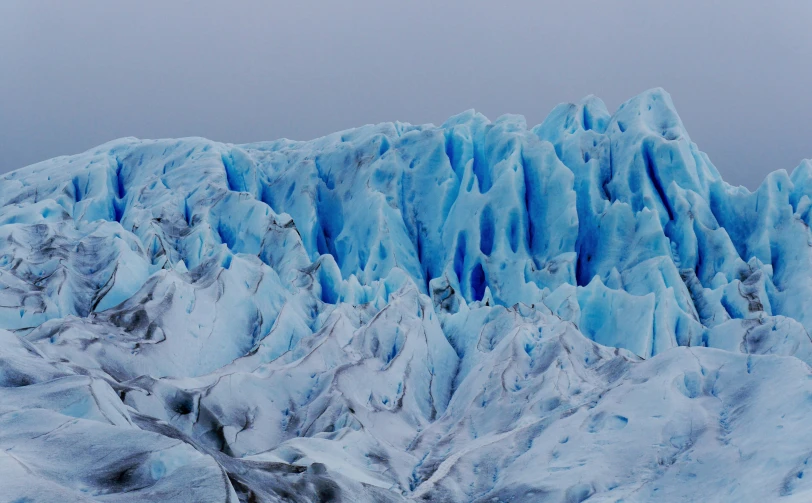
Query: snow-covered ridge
x: 472, y: 312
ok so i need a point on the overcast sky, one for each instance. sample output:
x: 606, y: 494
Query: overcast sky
x: 77, y: 73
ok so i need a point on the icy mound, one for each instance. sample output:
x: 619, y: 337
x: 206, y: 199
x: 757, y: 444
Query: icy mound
x: 478, y: 311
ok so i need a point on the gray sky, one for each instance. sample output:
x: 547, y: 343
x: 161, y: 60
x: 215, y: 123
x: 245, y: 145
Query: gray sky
x: 77, y: 73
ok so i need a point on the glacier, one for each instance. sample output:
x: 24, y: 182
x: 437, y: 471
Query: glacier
x: 476, y: 312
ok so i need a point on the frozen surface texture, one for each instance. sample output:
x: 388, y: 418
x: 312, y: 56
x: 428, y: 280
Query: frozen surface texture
x: 476, y: 312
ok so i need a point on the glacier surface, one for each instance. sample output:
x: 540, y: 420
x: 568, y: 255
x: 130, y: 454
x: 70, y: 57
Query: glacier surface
x: 475, y: 312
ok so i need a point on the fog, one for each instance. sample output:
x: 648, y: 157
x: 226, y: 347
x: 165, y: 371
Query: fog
x: 76, y: 74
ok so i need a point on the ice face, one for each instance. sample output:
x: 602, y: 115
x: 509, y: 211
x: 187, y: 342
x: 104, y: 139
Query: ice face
x: 472, y: 312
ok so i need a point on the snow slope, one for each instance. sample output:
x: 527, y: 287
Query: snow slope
x: 581, y: 311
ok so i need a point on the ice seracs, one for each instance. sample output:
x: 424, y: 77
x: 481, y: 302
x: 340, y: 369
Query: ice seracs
x: 582, y: 310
